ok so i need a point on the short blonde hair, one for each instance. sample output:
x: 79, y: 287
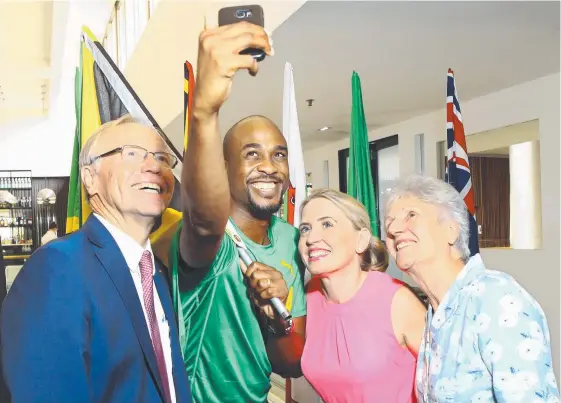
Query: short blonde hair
x: 375, y: 258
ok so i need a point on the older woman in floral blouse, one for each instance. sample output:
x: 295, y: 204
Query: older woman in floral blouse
x: 485, y: 339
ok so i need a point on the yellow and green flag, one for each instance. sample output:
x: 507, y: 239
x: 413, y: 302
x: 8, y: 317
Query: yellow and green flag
x: 103, y: 94
x: 74, y: 214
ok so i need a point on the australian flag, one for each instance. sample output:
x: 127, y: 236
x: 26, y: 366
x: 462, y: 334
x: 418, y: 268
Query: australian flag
x: 458, y: 173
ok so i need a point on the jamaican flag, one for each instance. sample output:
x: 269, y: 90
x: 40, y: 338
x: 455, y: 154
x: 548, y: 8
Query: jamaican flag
x: 103, y: 94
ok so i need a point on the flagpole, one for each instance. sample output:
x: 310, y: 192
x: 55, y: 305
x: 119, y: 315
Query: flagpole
x: 458, y: 172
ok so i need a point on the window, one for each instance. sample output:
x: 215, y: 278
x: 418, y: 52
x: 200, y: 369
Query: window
x: 137, y: 18
x: 152, y: 7
x: 124, y: 29
x: 110, y: 40
x: 384, y: 162
x: 122, y: 37
x: 388, y: 176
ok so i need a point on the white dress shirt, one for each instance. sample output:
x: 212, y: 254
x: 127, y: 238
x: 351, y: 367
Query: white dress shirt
x: 49, y: 236
x: 132, y: 253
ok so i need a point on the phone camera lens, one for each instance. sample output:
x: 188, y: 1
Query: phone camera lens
x: 240, y: 14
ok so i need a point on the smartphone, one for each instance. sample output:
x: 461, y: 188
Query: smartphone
x: 253, y: 14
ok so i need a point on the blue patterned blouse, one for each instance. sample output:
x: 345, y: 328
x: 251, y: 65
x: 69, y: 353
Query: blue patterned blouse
x: 488, y: 341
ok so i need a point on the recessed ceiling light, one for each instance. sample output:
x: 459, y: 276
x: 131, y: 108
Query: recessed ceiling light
x: 324, y: 128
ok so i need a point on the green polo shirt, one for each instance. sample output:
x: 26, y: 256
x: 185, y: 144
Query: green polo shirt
x: 222, y: 343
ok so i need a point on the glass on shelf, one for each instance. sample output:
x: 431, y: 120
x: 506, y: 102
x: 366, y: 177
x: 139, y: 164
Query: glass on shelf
x: 15, y: 183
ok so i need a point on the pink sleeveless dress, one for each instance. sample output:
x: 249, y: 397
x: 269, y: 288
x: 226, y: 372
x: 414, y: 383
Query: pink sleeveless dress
x: 351, y: 353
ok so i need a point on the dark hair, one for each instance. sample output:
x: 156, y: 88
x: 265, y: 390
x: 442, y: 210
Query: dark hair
x: 52, y: 225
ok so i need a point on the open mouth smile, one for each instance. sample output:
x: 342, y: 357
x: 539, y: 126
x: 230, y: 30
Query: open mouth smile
x: 403, y: 244
x: 265, y: 188
x: 148, y: 187
x: 317, y: 254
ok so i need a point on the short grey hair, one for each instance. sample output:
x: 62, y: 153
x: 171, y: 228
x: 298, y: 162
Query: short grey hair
x: 445, y: 197
x: 86, y: 159
x: 85, y: 154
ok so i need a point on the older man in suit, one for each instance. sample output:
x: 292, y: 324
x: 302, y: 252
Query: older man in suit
x: 89, y: 317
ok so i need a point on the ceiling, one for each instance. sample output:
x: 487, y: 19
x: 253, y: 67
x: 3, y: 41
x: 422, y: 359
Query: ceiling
x: 25, y: 70
x: 402, y: 51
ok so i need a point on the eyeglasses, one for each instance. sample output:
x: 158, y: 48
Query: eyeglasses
x: 138, y: 154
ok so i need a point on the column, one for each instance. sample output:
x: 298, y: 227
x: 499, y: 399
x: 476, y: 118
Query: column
x: 525, y: 196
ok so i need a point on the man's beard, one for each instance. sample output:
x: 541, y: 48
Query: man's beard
x: 262, y: 212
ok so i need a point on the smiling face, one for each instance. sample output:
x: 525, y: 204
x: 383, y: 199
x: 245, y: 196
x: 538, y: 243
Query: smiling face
x: 329, y: 242
x: 128, y: 187
x: 417, y: 232
x: 257, y: 164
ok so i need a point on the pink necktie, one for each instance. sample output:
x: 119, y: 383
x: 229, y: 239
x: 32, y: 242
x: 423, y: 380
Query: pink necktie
x: 147, y: 278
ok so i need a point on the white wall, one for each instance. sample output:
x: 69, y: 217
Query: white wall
x: 171, y: 37
x: 46, y: 144
x: 536, y: 270
x: 29, y: 144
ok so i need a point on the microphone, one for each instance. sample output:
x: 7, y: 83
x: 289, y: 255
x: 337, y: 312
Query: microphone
x: 277, y: 303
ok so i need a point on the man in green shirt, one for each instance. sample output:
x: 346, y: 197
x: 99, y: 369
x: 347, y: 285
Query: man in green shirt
x: 231, y: 337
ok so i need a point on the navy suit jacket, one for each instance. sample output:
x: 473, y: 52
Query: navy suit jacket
x: 73, y: 329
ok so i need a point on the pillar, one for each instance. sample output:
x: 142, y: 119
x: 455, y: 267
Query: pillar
x: 525, y: 196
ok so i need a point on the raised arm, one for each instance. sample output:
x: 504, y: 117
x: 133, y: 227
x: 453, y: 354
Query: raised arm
x: 204, y: 182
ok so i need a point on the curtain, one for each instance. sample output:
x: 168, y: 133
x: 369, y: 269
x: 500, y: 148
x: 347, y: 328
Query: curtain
x: 491, y: 185
x: 44, y: 214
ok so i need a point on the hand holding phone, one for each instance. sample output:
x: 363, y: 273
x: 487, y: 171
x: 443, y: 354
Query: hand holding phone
x: 220, y: 57
x: 252, y: 14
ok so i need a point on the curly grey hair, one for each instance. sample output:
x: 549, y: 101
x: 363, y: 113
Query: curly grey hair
x: 445, y: 197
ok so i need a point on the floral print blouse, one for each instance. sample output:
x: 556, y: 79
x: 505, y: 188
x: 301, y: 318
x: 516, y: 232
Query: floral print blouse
x: 488, y: 341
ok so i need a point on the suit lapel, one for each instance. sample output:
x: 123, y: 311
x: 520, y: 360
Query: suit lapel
x: 114, y: 263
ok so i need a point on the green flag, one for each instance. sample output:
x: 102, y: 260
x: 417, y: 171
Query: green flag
x: 74, y: 214
x: 359, y: 174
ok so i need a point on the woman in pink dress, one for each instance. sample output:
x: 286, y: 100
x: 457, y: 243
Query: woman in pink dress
x: 363, y: 328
